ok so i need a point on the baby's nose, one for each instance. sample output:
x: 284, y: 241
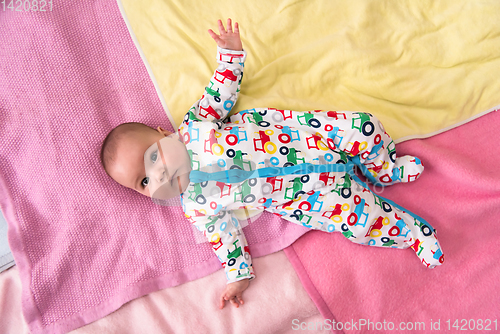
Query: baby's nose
x: 160, y: 175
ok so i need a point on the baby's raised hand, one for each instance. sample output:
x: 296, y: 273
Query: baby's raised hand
x: 228, y: 39
x: 233, y: 293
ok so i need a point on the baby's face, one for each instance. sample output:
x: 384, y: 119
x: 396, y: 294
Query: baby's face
x: 154, y: 164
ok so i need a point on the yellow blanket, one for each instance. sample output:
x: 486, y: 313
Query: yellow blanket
x: 420, y: 66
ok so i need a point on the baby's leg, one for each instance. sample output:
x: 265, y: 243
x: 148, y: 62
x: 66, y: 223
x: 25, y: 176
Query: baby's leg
x: 365, y: 218
x: 363, y: 138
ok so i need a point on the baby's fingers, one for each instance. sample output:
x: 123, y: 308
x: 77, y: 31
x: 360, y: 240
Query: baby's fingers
x: 222, y: 302
x: 214, y: 36
x: 235, y: 302
x: 240, y: 299
x: 221, y: 28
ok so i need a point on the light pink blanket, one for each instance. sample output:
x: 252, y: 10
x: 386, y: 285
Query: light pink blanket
x: 275, y: 302
x: 85, y: 245
x: 459, y: 195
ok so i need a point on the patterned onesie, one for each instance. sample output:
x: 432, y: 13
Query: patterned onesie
x: 298, y: 165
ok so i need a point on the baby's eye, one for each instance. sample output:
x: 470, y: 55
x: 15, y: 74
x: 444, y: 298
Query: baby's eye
x: 145, y: 182
x: 154, y: 156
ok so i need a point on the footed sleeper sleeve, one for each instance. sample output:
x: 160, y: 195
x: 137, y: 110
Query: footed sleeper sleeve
x: 224, y: 233
x: 222, y: 91
x: 198, y: 132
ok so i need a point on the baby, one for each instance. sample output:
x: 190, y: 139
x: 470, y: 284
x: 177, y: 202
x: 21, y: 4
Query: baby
x: 298, y: 165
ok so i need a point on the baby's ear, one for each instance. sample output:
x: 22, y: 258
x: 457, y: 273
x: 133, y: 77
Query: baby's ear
x: 163, y: 131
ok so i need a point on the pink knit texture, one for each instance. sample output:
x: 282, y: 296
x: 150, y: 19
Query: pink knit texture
x: 84, y: 244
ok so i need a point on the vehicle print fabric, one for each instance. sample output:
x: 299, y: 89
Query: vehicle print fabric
x: 295, y: 164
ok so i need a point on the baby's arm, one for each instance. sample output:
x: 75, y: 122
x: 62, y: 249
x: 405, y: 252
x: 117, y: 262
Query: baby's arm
x: 224, y: 86
x: 224, y: 233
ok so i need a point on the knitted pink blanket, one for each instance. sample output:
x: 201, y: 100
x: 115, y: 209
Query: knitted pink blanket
x: 85, y: 245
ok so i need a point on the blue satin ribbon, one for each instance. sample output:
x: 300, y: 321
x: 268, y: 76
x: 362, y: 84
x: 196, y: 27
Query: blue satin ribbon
x: 238, y: 175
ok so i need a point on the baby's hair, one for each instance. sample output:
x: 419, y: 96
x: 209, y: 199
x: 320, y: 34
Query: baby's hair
x: 109, y: 146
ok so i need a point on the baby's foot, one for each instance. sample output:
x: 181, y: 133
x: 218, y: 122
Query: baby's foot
x: 426, y: 245
x: 406, y: 169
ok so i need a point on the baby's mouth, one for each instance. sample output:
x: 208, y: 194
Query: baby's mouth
x: 179, y: 185
x: 172, y: 178
x: 175, y: 182
x: 178, y: 178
